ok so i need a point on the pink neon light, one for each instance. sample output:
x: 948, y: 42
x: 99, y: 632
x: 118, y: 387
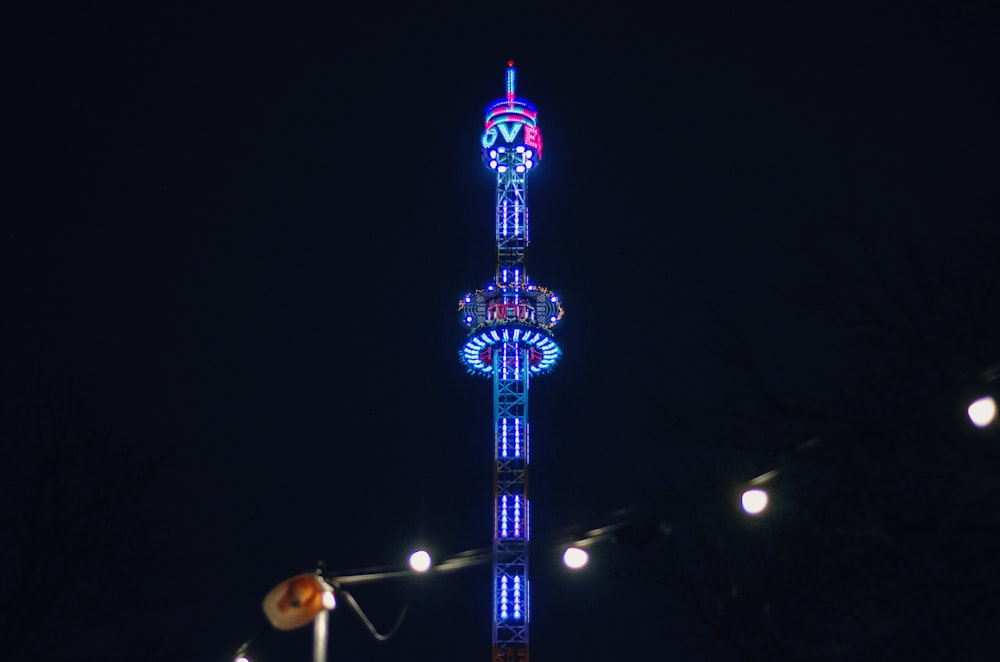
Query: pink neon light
x: 513, y: 108
x: 508, y: 119
x: 533, y: 139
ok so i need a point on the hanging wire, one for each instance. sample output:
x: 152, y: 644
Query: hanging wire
x: 356, y: 608
x: 615, y: 528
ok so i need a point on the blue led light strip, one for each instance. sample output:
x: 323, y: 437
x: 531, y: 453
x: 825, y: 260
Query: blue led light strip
x: 517, y: 437
x: 517, y: 516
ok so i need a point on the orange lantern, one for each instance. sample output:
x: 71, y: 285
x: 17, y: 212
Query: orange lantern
x: 295, y: 602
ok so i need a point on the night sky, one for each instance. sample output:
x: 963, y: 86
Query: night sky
x: 236, y: 237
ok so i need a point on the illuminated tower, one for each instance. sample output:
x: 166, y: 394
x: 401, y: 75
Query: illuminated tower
x: 510, y: 322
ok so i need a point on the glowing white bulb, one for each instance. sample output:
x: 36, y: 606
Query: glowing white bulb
x: 329, y: 601
x: 420, y: 561
x: 754, y: 501
x: 983, y: 411
x: 242, y: 658
x: 575, y: 558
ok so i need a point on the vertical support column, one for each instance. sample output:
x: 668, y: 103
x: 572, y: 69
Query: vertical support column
x: 320, y: 633
x: 510, y: 534
x: 511, y: 218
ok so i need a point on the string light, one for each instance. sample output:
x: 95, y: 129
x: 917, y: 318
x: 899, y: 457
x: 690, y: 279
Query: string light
x: 420, y: 561
x: 512, y: 589
x: 575, y: 558
x: 983, y: 411
x: 754, y: 501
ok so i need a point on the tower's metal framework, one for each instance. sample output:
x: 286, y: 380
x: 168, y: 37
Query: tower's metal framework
x: 510, y: 340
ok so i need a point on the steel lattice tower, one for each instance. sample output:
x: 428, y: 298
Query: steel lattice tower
x: 510, y: 339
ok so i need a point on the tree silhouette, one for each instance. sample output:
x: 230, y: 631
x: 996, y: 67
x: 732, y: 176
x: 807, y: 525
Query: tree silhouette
x: 883, y: 536
x: 75, y: 538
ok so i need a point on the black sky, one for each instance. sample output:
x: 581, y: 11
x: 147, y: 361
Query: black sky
x: 240, y: 233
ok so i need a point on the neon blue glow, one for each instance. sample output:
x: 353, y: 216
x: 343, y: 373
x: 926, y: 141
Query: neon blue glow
x: 503, y: 438
x: 511, y: 105
x: 509, y: 134
x: 517, y: 516
x: 489, y: 137
x: 502, y: 313
x: 503, y: 516
x: 530, y: 337
x: 527, y: 599
x: 517, y: 437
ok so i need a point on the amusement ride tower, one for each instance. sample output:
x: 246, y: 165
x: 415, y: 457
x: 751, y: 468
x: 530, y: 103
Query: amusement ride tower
x: 510, y: 339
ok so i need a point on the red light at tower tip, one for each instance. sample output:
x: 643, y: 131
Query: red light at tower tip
x: 511, y: 126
